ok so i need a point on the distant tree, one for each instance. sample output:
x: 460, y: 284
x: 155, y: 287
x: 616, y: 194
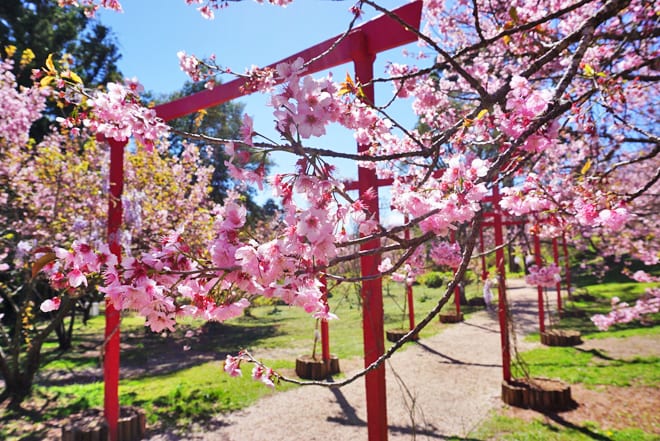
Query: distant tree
x: 45, y: 28
x: 220, y: 122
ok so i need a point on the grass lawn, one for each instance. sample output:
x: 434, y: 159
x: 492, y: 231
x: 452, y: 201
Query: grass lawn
x: 593, y: 369
x: 195, y: 390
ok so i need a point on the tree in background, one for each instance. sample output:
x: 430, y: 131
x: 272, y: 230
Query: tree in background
x: 54, y: 192
x: 221, y: 122
x: 41, y: 28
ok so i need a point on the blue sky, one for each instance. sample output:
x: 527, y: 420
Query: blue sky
x: 151, y: 32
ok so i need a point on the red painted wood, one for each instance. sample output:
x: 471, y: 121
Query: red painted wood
x: 372, y: 290
x: 539, y: 289
x: 409, y: 288
x: 501, y: 286
x: 377, y: 35
x: 484, y: 270
x: 325, y: 332
x: 457, y: 289
x: 555, y: 254
x: 112, y: 317
x: 567, y: 265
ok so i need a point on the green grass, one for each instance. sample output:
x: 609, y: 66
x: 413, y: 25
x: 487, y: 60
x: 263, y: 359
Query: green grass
x: 591, y: 368
x: 266, y: 327
x: 187, y: 395
x: 575, y: 365
x: 504, y: 428
x: 195, y: 391
x: 596, y: 298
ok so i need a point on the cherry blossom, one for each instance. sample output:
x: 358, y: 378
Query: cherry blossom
x: 553, y: 104
x: 624, y: 313
x: 546, y: 276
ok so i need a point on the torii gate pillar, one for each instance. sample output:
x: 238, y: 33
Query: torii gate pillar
x: 112, y: 316
x: 372, y: 289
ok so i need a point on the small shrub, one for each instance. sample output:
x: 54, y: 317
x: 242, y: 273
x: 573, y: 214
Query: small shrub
x: 433, y: 279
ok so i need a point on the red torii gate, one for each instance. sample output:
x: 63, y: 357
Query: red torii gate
x: 497, y: 223
x: 360, y: 46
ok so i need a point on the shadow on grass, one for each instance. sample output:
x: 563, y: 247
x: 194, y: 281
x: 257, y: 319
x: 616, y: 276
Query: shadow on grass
x: 584, y: 430
x: 144, y: 353
x: 157, y: 355
x: 597, y: 353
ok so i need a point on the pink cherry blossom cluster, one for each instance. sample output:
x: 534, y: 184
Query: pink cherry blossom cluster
x: 118, y: 114
x: 524, y: 104
x: 546, y: 276
x: 91, y: 6
x: 166, y: 282
x: 147, y: 285
x: 20, y: 106
x: 407, y: 273
x: 451, y: 198
x: 306, y: 105
x: 446, y: 254
x: 642, y: 276
x: 622, y: 312
x: 232, y: 366
x: 200, y: 70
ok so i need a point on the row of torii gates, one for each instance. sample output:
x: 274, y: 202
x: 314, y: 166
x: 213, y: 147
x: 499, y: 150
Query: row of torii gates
x: 360, y: 46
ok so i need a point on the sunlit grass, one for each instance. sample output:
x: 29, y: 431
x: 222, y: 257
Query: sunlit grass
x: 575, y: 365
x: 504, y: 428
x: 180, y: 397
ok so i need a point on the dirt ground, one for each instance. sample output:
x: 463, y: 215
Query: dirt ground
x: 443, y: 386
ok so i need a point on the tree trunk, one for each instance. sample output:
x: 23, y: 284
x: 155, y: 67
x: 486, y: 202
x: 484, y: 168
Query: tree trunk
x: 19, y: 371
x: 461, y: 290
x: 65, y: 333
x: 513, y: 265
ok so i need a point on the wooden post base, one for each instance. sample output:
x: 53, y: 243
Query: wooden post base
x: 561, y: 337
x: 310, y: 368
x: 542, y: 394
x: 91, y: 426
x: 450, y: 317
x: 394, y: 335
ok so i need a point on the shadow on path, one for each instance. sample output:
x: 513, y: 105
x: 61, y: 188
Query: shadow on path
x: 350, y: 415
x: 484, y: 328
x: 451, y: 360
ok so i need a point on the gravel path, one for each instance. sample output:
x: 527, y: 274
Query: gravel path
x: 441, y: 386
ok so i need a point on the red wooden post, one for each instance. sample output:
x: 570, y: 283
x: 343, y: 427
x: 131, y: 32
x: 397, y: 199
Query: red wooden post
x: 411, y: 306
x: 555, y: 255
x: 484, y: 271
x: 325, y: 333
x: 501, y: 285
x: 457, y: 288
x: 567, y: 265
x: 539, y: 288
x: 409, y: 289
x: 111, y: 348
x: 372, y: 290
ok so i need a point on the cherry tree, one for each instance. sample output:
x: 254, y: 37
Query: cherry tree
x: 54, y: 193
x: 553, y: 101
